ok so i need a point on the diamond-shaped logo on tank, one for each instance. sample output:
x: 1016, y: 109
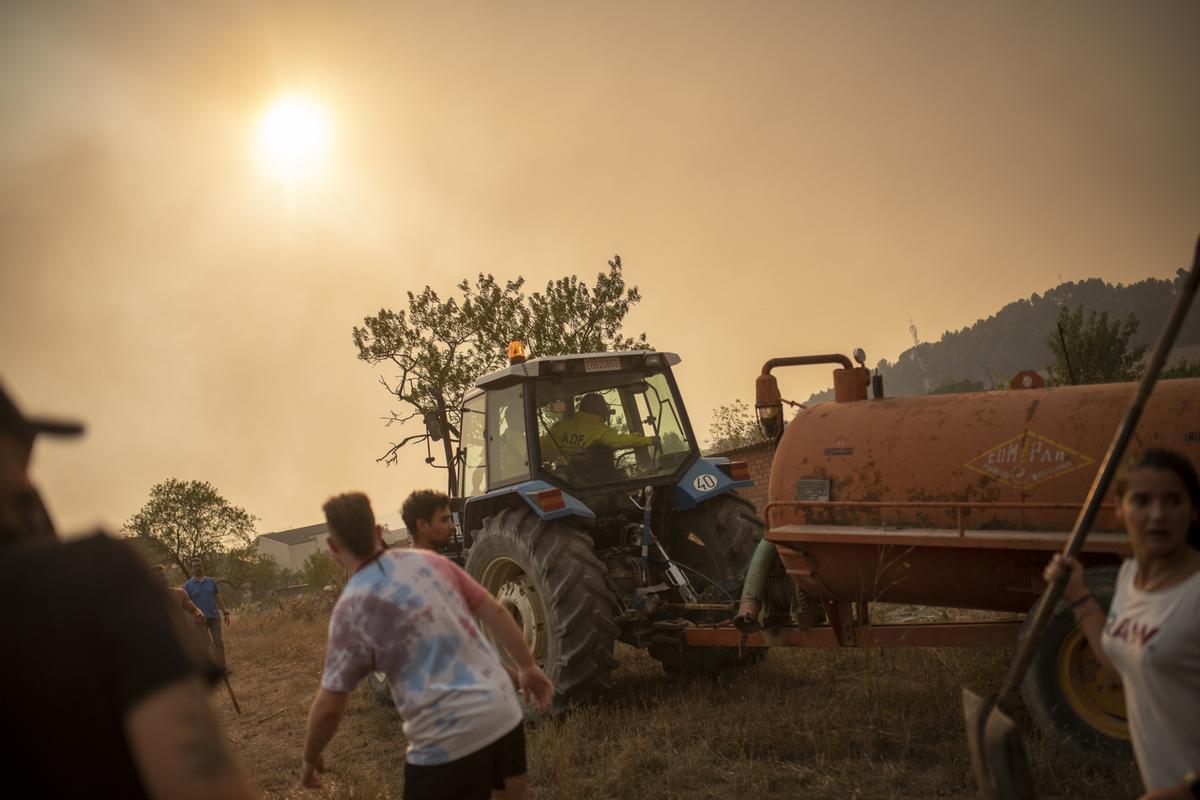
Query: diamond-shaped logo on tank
x: 1027, y: 460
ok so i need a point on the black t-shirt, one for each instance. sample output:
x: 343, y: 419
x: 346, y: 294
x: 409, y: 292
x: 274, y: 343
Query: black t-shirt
x: 87, y: 633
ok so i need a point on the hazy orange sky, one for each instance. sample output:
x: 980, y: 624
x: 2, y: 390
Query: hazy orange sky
x: 779, y: 179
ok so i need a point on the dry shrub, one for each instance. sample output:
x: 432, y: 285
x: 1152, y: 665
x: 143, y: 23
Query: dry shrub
x: 308, y: 606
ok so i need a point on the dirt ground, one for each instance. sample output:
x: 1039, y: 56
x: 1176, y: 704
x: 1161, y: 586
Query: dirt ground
x: 804, y: 723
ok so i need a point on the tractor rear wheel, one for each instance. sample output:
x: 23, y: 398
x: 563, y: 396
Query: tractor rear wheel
x: 1068, y: 694
x: 714, y: 542
x: 547, y: 575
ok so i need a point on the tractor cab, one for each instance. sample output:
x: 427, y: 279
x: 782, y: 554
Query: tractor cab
x: 593, y: 425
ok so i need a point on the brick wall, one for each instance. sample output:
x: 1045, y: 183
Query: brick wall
x: 758, y: 456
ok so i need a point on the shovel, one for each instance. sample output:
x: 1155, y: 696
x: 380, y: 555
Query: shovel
x: 998, y: 755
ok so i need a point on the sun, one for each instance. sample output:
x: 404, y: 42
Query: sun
x: 294, y: 138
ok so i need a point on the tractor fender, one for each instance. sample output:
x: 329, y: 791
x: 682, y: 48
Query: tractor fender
x: 704, y: 481
x: 475, y: 509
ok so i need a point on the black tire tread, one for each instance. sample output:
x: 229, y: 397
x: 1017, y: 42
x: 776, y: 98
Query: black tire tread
x: 569, y: 576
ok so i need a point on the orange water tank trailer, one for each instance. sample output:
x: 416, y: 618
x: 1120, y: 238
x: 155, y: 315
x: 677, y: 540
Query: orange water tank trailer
x: 952, y: 500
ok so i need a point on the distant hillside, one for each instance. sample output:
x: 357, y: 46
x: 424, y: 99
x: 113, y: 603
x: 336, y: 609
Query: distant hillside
x: 1014, y: 338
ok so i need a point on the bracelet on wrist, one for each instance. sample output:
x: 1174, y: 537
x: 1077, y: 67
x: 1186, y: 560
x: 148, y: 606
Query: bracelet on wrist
x: 1074, y: 604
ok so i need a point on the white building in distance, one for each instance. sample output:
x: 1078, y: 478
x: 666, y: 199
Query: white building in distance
x: 291, y: 548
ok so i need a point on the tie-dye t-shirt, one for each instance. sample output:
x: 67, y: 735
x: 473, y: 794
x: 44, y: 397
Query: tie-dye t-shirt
x: 409, y: 615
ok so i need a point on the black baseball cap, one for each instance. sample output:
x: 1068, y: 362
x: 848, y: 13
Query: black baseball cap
x: 13, y: 421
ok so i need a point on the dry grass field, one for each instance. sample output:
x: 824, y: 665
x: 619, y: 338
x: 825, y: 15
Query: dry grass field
x: 804, y: 723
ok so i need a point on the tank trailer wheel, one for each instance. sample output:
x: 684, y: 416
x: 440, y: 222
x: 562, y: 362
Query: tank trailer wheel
x: 1067, y: 692
x: 716, y: 539
x: 547, y: 575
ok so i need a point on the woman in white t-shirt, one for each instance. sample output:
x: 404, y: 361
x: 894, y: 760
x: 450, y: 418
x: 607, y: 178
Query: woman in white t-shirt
x: 1151, y: 635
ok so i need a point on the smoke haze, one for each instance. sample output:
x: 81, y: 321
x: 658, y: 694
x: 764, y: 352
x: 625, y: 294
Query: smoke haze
x: 779, y: 178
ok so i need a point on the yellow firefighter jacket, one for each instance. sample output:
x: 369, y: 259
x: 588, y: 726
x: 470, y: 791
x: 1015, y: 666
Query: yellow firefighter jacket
x: 574, y: 434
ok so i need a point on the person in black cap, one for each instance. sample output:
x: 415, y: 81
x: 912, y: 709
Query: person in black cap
x: 103, y: 692
x: 22, y: 514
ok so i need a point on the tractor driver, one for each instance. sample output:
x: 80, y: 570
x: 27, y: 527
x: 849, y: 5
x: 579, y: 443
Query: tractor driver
x: 586, y: 439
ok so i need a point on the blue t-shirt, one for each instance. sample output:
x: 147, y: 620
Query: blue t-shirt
x: 203, y: 593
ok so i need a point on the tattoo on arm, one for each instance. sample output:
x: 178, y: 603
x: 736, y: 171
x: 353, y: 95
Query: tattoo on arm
x: 204, y: 746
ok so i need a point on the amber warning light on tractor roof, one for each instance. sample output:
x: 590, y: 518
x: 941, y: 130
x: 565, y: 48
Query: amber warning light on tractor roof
x: 516, y: 352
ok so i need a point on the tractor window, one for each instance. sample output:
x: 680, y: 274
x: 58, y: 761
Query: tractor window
x: 508, y: 461
x: 657, y: 408
x: 471, y: 451
x: 610, y: 428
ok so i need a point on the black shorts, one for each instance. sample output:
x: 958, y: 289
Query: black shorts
x: 472, y: 777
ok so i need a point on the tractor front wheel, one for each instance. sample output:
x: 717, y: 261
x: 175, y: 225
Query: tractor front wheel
x: 547, y: 576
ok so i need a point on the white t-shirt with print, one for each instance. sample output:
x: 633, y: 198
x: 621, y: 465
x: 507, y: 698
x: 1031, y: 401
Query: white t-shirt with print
x: 1153, y: 640
x: 409, y: 614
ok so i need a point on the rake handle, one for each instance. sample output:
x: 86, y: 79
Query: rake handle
x: 229, y: 688
x: 1104, y: 476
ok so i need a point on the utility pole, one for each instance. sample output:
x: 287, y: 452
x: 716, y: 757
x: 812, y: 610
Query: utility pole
x: 912, y: 328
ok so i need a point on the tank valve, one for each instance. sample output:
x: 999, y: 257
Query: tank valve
x: 746, y: 620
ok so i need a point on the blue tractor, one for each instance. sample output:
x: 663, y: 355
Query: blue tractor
x: 585, y: 506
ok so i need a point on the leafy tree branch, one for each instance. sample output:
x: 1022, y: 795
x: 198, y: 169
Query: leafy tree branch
x: 437, y: 348
x: 1093, y: 350
x: 190, y: 519
x: 734, y: 425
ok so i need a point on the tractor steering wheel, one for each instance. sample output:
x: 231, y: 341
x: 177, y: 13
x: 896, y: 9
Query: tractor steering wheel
x: 647, y: 462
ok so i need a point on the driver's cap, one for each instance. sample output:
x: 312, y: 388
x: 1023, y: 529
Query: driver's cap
x: 593, y: 403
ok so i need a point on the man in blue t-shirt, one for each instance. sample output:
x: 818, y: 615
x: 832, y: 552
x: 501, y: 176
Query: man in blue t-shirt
x: 205, y: 593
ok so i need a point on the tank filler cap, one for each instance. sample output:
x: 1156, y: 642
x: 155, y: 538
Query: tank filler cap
x: 860, y: 356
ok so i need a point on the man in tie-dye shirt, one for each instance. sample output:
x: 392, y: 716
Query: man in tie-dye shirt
x: 412, y: 615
